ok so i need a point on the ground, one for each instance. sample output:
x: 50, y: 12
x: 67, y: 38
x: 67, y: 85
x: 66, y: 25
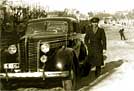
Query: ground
x: 118, y: 72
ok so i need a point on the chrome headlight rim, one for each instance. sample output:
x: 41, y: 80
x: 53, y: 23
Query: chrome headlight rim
x: 45, y: 47
x: 12, y: 49
x: 43, y: 58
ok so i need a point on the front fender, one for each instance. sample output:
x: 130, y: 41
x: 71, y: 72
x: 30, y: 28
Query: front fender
x: 80, y: 49
x: 68, y: 57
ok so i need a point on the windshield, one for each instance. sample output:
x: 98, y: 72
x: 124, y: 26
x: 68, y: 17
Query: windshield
x: 47, y: 26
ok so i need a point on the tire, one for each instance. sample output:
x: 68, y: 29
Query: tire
x: 3, y: 85
x: 70, y: 84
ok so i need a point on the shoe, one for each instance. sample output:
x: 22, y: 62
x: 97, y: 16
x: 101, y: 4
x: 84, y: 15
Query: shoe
x: 97, y: 73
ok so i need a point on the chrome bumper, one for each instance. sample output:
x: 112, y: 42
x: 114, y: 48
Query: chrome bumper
x: 35, y: 74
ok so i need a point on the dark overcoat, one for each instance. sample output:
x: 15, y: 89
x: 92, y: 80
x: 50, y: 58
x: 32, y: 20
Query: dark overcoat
x: 95, y: 43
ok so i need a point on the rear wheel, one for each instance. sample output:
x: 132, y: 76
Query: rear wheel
x: 70, y: 84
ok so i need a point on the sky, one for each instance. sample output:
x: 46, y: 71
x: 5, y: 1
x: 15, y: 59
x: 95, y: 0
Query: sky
x: 85, y: 6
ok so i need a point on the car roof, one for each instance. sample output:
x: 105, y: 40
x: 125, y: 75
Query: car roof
x: 54, y: 18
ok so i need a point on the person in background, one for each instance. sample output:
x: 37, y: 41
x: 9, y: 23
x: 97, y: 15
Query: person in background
x: 95, y: 40
x: 121, y: 31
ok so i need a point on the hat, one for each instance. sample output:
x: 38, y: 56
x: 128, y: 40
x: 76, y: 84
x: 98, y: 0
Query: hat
x: 95, y: 20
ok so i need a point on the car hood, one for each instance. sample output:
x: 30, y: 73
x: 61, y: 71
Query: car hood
x: 45, y: 35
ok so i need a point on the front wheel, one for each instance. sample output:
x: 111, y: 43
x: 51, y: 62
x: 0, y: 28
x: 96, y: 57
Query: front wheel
x: 70, y: 84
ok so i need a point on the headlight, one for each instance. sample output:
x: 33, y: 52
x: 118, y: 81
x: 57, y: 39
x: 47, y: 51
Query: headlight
x: 12, y: 49
x: 45, y: 47
x: 43, y: 58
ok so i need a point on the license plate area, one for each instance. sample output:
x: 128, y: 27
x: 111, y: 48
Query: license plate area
x: 11, y: 65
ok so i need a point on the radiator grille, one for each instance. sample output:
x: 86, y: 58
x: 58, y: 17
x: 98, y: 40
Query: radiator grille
x: 29, y: 51
x: 22, y: 55
x: 32, y: 55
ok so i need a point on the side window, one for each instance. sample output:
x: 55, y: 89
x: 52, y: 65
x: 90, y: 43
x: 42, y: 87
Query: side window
x: 76, y: 27
x: 71, y: 27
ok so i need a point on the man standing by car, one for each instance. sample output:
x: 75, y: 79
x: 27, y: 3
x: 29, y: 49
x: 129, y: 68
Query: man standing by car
x: 95, y: 40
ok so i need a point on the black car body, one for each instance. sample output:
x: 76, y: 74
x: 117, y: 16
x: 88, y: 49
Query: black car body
x: 50, y: 48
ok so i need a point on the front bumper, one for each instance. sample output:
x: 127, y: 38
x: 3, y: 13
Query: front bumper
x: 48, y: 74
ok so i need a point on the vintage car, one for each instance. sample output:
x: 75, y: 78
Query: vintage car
x: 50, y: 48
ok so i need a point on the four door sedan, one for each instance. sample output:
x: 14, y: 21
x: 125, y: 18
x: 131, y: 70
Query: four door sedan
x: 50, y: 48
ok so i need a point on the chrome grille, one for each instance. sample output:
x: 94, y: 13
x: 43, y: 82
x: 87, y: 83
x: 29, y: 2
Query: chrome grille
x: 32, y: 55
x: 22, y: 55
x: 30, y: 51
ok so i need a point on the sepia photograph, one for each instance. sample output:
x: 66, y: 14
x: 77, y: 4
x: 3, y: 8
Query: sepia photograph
x: 66, y: 45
